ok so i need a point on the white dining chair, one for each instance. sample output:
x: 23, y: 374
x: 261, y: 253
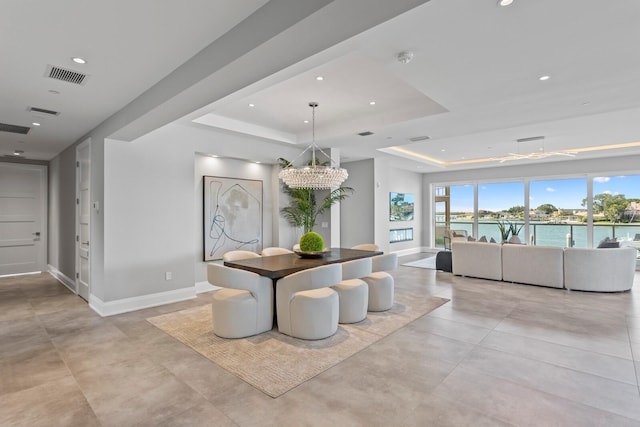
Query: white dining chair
x: 244, y: 305
x: 237, y: 255
x: 306, y: 306
x: 275, y: 251
x: 367, y: 247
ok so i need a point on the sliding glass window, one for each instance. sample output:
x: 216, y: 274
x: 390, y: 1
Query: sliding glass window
x: 500, y: 203
x: 558, y: 212
x: 454, y: 211
x: 616, y: 209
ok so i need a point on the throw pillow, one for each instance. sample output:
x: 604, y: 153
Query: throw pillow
x: 482, y: 239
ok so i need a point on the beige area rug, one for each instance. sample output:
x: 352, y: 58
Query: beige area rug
x: 275, y: 363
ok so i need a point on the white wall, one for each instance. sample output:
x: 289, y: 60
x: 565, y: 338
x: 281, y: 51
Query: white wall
x: 152, y: 217
x: 402, y: 181
x: 365, y: 215
x: 357, y: 210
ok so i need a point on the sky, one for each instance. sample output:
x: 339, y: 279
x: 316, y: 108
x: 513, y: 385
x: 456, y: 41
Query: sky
x: 562, y: 193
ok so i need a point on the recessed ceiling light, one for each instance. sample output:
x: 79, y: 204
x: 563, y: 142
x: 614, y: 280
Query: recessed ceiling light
x: 442, y: 150
x: 505, y: 2
x: 306, y: 121
x: 372, y: 102
x: 18, y: 152
x: 544, y: 78
x: 319, y: 78
x: 35, y: 124
x: 55, y: 92
x: 586, y: 103
x: 252, y: 105
x: 79, y: 60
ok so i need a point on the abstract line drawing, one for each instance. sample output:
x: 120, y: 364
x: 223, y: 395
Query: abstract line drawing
x: 232, y: 216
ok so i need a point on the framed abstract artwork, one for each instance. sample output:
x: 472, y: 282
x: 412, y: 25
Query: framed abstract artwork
x: 232, y: 216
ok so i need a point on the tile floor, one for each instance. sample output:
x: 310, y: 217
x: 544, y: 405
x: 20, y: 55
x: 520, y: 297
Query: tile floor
x: 497, y: 354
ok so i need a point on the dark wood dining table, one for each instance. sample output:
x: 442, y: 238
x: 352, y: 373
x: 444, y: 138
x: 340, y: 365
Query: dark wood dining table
x: 278, y: 266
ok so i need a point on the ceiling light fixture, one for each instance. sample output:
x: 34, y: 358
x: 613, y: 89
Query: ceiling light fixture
x: 372, y: 102
x: 315, y: 176
x: 544, y: 78
x: 536, y: 155
x: 35, y: 124
x: 319, y: 78
x: 405, y: 57
x: 252, y: 105
x: 18, y: 152
x: 505, y: 3
x: 79, y: 60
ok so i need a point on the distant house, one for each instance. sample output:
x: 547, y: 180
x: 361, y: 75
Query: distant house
x: 632, y: 212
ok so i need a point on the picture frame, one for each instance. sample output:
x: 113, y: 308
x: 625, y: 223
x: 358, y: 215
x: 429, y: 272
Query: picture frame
x: 233, y: 210
x: 401, y: 206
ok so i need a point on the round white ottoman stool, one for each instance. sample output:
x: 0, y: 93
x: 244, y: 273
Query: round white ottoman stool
x: 310, y: 310
x: 353, y: 296
x: 234, y: 313
x: 380, y: 290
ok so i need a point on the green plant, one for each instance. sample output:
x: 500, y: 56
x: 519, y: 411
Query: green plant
x: 514, y: 228
x: 303, y: 209
x: 508, y: 228
x: 505, y: 229
x: 311, y: 242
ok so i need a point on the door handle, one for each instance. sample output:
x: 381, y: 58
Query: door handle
x: 37, y: 233
x: 86, y: 243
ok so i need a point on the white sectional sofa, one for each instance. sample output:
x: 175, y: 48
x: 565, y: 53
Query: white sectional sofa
x: 600, y: 270
x: 477, y: 259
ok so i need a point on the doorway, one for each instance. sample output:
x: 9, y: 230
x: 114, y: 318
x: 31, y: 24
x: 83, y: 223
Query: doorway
x: 23, y: 223
x: 83, y: 218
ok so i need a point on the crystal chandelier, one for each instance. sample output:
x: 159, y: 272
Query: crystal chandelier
x: 315, y: 176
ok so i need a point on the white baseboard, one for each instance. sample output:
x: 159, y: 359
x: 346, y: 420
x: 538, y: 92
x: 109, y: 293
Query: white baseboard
x: 205, y: 287
x: 62, y: 278
x: 126, y: 305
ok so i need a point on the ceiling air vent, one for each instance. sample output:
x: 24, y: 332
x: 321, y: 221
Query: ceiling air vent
x: 43, y: 111
x: 419, y: 138
x: 65, y: 75
x: 531, y: 138
x: 23, y: 130
x: 366, y: 133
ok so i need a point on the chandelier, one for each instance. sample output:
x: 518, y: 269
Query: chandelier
x: 315, y: 176
x: 536, y: 155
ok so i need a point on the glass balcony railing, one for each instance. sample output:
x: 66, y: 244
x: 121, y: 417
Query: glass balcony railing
x: 544, y: 234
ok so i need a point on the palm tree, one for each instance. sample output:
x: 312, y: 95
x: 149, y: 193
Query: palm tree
x: 303, y: 209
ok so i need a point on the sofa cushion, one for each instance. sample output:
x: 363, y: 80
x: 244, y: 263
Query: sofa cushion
x: 612, y: 270
x: 475, y: 259
x: 533, y: 265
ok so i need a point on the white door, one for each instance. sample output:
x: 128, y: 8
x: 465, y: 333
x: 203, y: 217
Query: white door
x: 83, y: 214
x: 23, y: 210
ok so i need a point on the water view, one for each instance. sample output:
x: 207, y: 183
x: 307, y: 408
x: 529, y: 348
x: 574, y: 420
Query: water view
x: 558, y: 211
